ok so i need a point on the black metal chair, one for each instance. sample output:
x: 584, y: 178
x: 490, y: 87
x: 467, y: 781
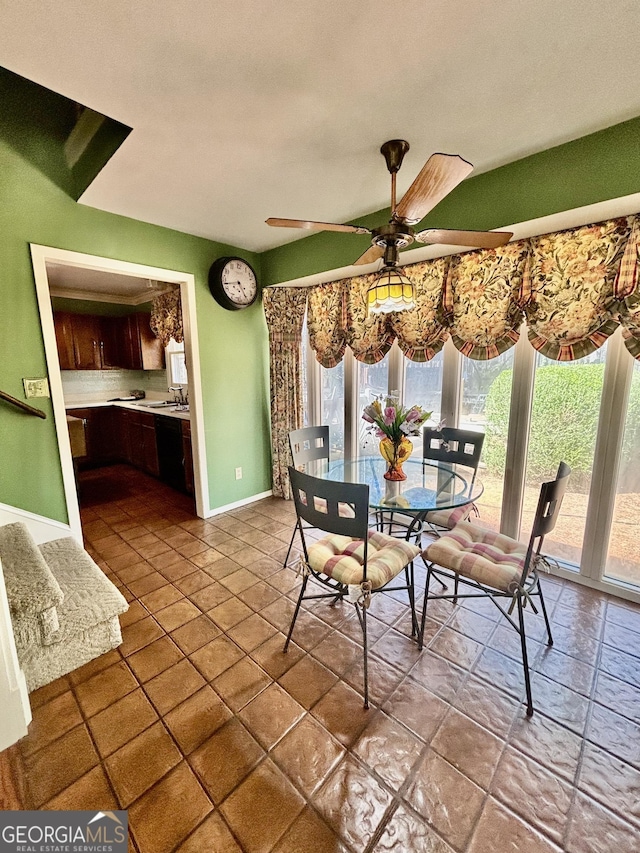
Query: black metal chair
x: 499, y: 566
x: 309, y: 444
x: 350, y: 554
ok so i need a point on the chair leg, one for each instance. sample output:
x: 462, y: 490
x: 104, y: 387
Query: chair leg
x: 544, y: 613
x: 366, y: 661
x: 293, y: 536
x: 525, y: 656
x: 408, y: 571
x: 424, y: 609
x: 295, y: 613
x: 455, y: 590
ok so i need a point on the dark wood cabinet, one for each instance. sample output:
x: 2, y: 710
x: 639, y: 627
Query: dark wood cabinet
x: 101, y: 435
x: 88, y: 342
x: 187, y: 454
x: 138, y: 440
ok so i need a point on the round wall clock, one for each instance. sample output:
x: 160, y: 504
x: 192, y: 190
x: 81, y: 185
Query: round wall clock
x: 233, y: 283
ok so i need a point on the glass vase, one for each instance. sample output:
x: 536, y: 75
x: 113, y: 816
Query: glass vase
x: 396, y: 454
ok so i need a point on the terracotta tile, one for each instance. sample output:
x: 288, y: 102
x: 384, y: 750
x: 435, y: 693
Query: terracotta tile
x: 471, y: 749
x: 180, y: 569
x: 615, y: 733
x: 152, y: 549
x: 211, y: 596
x: 307, y: 681
x: 215, y: 657
x: 307, y: 754
x: 214, y: 835
x: 406, y: 833
x: 177, y: 614
x: 341, y: 711
x: 92, y: 668
x: 139, y: 635
x: 226, y: 758
x: 138, y: 765
x: 575, y: 643
x: 52, y: 769
x: 150, y: 582
x: 397, y: 649
x: 158, y: 828
x: 624, y: 614
x: 229, y: 613
x: 154, y: 658
x: 50, y: 721
x: 455, y: 647
x: 446, y: 798
x: 569, y: 671
x: 135, y: 532
x: 594, y: 829
x: 121, y: 722
x: 309, y: 631
x: 352, y: 803
x: 205, y: 557
x: 350, y: 627
x: 472, y: 624
x: 173, y: 686
x: 417, y: 708
x: 196, y: 719
x: 491, y: 708
x: 279, y: 613
x: 564, y: 705
x: 106, y: 687
x: 193, y: 582
x: 272, y: 657
x: 618, y: 695
x: 168, y: 558
x: 383, y: 679
x: 251, y: 632
x: 621, y: 638
x: 259, y: 595
x: 45, y: 694
x: 501, y: 671
x: 261, y: 810
x: 536, y: 794
x: 160, y: 598
x: 612, y: 782
x: 221, y: 568
x: 337, y: 652
x: 546, y: 741
x: 239, y: 581
x: 309, y: 834
x: 195, y: 634
x: 388, y: 749
x: 227, y: 545
x: 271, y: 715
x: 438, y: 675
x: 135, y: 612
x: 239, y: 684
x: 92, y: 791
x: 499, y: 829
x: 620, y: 665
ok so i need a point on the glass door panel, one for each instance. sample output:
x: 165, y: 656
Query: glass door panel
x: 484, y: 407
x: 564, y: 424
x: 623, y: 558
x: 423, y: 385
x: 333, y: 407
x: 373, y: 381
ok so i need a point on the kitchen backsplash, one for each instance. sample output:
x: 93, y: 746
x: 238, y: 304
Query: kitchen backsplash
x: 78, y: 382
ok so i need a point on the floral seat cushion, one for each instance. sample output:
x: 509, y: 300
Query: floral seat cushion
x: 490, y: 558
x: 341, y: 558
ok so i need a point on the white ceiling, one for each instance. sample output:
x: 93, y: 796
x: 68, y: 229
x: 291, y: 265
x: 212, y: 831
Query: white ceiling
x: 77, y: 282
x: 244, y: 109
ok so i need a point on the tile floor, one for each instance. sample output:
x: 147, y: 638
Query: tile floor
x: 216, y: 741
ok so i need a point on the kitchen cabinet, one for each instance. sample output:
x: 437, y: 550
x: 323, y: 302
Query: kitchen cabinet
x: 138, y: 440
x: 88, y: 342
x: 101, y: 435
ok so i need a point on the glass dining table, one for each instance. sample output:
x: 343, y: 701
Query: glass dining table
x: 429, y: 486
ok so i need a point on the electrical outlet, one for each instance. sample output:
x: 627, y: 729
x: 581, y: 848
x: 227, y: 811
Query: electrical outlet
x: 36, y: 388
x: 238, y: 473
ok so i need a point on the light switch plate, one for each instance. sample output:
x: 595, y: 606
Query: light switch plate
x: 36, y: 388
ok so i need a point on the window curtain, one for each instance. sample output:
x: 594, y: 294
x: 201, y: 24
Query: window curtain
x: 573, y: 288
x: 284, y: 309
x: 166, y: 316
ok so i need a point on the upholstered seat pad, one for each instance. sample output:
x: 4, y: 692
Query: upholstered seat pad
x: 341, y: 558
x: 448, y: 518
x: 485, y: 556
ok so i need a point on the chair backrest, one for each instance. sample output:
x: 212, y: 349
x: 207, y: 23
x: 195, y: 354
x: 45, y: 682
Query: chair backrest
x: 549, y: 503
x: 318, y: 503
x: 449, y: 444
x: 309, y: 444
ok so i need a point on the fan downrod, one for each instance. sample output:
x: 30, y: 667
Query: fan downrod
x: 393, y: 152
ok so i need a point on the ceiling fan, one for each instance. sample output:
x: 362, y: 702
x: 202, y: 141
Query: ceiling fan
x: 437, y: 178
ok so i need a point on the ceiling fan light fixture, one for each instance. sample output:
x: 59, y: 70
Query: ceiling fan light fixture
x: 390, y: 291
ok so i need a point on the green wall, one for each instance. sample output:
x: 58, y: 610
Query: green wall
x: 233, y: 345
x: 594, y: 168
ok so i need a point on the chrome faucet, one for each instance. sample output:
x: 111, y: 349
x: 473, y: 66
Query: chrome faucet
x: 179, y: 397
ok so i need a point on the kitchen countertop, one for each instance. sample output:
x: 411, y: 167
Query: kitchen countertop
x: 166, y: 411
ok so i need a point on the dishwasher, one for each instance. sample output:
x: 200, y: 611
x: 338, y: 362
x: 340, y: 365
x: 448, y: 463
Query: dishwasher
x: 170, y: 451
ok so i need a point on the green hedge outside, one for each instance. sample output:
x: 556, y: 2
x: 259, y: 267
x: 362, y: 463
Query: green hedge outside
x: 564, y: 421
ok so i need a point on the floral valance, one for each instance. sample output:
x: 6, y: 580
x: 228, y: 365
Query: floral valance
x: 574, y: 288
x: 166, y: 316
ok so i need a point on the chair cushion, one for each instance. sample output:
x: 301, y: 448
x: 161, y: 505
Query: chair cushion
x: 448, y: 518
x: 341, y: 558
x: 485, y: 556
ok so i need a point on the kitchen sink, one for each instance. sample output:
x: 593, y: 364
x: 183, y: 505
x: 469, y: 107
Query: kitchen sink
x: 155, y: 404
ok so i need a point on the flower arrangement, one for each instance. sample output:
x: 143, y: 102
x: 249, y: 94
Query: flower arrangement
x: 389, y: 419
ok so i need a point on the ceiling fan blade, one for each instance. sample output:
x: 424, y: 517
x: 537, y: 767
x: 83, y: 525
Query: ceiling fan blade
x: 316, y: 226
x: 477, y: 239
x: 372, y: 254
x: 439, y: 175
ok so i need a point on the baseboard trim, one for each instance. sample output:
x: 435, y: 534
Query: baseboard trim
x: 237, y: 504
x: 41, y: 528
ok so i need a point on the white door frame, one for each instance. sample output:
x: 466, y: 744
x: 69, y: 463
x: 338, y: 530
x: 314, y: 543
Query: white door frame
x: 41, y: 255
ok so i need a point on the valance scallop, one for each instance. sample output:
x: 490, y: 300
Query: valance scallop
x: 326, y: 323
x: 421, y: 333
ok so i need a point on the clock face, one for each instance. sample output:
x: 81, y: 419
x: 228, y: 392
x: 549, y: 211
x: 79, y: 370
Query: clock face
x: 233, y: 283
